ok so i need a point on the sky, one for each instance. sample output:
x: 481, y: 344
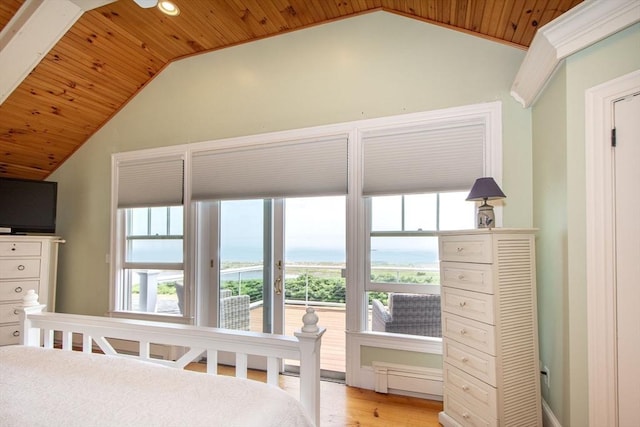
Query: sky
x: 315, y: 227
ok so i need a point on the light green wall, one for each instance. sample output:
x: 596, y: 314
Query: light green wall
x: 373, y: 65
x: 550, y: 216
x: 559, y: 211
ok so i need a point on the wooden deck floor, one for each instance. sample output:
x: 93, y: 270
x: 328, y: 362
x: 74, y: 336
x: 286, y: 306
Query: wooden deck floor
x: 332, y: 354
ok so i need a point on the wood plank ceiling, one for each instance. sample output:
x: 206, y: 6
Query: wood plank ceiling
x: 111, y: 52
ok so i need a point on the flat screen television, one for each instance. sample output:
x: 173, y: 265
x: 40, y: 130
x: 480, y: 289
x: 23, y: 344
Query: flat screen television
x: 27, y: 206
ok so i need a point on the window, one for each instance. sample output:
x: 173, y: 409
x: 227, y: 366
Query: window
x: 412, y: 177
x: 148, y: 224
x: 152, y: 277
x: 399, y: 179
x: 403, y: 250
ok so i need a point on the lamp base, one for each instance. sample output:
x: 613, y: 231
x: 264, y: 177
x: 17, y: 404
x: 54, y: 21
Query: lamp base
x: 486, y: 217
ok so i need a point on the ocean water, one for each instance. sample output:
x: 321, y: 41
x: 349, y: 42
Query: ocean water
x: 248, y: 254
x: 335, y: 255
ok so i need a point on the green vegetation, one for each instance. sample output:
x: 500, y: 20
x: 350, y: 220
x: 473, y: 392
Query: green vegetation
x: 320, y: 285
x: 164, y: 288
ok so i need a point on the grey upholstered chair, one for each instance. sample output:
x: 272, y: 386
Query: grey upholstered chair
x: 413, y: 314
x: 234, y: 311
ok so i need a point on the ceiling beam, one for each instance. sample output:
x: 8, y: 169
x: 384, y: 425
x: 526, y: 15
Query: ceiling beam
x: 579, y: 28
x: 32, y: 32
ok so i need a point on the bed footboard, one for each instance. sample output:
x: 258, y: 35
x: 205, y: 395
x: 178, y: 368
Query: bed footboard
x: 39, y: 328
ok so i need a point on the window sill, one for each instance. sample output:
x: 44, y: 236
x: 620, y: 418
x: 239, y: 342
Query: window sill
x: 150, y: 316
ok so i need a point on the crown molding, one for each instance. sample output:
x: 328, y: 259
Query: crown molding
x: 582, y: 26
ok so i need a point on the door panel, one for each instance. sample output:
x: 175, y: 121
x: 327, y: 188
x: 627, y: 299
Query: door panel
x: 315, y: 236
x: 246, y: 260
x: 250, y: 275
x: 627, y: 207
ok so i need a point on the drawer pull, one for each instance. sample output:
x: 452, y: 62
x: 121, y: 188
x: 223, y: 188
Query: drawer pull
x: 464, y: 359
x: 20, y: 267
x: 460, y: 249
x: 466, y: 415
x: 16, y: 311
x: 465, y: 388
x: 18, y: 290
x: 463, y: 331
x: 462, y: 304
x: 16, y: 333
x: 13, y: 249
x: 461, y: 277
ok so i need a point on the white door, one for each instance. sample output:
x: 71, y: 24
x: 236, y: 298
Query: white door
x: 627, y: 264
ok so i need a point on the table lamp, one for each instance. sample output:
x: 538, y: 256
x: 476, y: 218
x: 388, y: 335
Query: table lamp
x: 485, y: 189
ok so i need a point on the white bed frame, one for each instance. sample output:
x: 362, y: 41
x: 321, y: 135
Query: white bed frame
x: 39, y: 328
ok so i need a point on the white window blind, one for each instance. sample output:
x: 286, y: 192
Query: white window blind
x: 150, y: 182
x: 422, y: 160
x: 288, y: 169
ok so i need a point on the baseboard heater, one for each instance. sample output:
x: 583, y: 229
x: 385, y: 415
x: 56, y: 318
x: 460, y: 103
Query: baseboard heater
x: 408, y: 380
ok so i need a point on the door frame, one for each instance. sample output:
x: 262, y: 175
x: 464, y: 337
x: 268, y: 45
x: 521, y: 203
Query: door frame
x: 600, y: 239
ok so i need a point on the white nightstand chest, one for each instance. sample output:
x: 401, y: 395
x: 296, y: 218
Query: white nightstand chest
x: 489, y: 328
x: 26, y: 262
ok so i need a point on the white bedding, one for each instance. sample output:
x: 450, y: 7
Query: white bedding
x: 48, y: 387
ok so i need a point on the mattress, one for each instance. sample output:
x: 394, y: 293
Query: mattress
x: 49, y: 387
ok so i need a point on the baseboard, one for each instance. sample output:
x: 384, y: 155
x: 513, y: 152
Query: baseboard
x: 548, y: 417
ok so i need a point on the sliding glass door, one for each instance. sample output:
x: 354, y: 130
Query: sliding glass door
x: 245, y: 273
x: 269, y: 260
x: 315, y: 262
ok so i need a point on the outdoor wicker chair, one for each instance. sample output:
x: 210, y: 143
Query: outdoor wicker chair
x: 413, y: 314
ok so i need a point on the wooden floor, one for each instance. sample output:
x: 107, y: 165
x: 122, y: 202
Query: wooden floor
x: 349, y: 406
x: 332, y: 353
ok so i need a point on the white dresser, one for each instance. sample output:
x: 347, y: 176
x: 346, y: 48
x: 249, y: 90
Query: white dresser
x: 489, y: 328
x: 26, y: 262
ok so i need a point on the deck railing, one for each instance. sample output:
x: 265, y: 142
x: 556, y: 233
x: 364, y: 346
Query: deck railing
x: 235, y: 277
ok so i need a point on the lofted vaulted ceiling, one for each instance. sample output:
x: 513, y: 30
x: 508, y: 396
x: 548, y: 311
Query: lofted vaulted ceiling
x: 111, y: 52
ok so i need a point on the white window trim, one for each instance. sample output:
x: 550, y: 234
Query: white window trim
x: 356, y: 234
x: 116, y: 258
x: 123, y: 264
x: 490, y: 114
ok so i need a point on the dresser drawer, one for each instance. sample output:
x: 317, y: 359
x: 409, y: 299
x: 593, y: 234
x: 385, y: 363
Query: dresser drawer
x: 466, y: 249
x: 15, y: 291
x: 20, y: 249
x: 473, y: 392
x: 10, y: 334
x: 473, y: 305
x: 471, y: 277
x: 9, y: 313
x: 19, y: 268
x: 473, y: 362
x: 470, y: 332
x: 467, y: 417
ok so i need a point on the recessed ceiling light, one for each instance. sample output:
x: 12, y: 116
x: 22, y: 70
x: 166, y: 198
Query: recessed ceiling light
x: 168, y: 8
